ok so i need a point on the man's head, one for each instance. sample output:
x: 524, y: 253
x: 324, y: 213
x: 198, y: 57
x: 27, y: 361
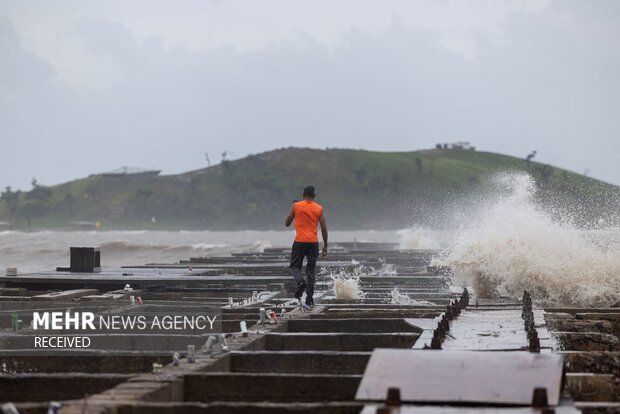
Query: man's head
x: 309, y: 192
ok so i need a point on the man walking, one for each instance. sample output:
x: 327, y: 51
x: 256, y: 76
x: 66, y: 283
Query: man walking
x: 306, y: 214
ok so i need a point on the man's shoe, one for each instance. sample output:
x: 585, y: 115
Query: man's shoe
x: 301, y: 286
x: 310, y: 302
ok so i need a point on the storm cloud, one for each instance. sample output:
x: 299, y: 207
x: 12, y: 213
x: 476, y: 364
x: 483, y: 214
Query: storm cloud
x: 86, y: 89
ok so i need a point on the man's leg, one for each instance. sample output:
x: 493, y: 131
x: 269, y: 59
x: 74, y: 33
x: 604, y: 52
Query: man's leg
x: 312, y: 254
x: 297, y: 258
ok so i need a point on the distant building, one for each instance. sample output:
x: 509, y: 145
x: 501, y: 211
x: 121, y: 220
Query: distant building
x: 458, y: 145
x: 129, y: 172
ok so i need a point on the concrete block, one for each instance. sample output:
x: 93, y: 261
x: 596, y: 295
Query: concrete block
x: 66, y: 294
x: 54, y: 387
x: 349, y: 325
x: 308, y: 362
x: 588, y: 341
x: 593, y: 387
x: 337, y: 342
x: 270, y: 387
x: 594, y: 362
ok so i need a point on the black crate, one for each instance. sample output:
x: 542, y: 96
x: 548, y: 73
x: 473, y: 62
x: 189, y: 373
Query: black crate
x: 85, y: 259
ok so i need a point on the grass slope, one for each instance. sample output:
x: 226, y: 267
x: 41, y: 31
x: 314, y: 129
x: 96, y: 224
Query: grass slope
x: 360, y: 189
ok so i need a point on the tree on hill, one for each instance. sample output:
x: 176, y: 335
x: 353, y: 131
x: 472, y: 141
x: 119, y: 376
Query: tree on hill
x: 11, y: 198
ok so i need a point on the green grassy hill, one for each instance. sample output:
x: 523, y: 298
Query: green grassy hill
x: 360, y: 190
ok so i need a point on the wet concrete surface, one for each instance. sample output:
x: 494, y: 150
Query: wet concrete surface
x: 310, y: 362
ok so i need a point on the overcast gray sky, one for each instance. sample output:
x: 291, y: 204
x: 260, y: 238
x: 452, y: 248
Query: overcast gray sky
x: 91, y: 86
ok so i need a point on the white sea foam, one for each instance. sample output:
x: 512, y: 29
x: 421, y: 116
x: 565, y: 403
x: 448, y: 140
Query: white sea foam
x: 418, y: 238
x: 260, y: 245
x: 347, y: 287
x: 206, y: 246
x: 515, y: 245
x: 397, y: 298
x: 344, y: 280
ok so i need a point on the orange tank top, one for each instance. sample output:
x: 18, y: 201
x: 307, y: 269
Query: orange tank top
x: 307, y: 214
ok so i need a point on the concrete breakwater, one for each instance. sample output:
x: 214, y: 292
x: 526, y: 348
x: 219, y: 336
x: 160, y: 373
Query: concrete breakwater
x: 438, y: 348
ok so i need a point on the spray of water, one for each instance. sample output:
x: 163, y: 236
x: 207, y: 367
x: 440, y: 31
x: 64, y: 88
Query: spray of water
x: 515, y: 245
x: 418, y: 238
x: 398, y: 298
x: 347, y: 287
x: 345, y: 281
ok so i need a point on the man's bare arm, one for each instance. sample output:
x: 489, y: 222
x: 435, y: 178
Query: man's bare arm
x: 323, y: 224
x: 290, y: 217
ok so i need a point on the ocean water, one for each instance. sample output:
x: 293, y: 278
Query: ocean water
x: 501, y: 243
x: 45, y: 250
